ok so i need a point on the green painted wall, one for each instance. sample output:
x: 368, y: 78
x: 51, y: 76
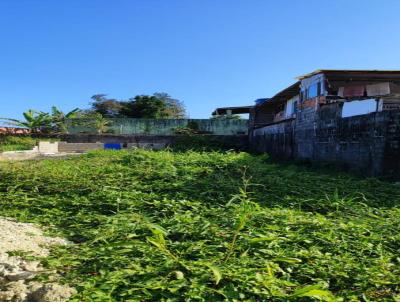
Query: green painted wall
x: 167, y: 126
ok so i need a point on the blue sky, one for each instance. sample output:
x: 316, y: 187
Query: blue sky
x: 207, y: 53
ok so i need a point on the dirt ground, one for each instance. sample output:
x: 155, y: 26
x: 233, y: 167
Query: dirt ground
x: 17, y: 275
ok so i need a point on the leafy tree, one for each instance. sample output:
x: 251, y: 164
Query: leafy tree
x: 35, y: 121
x: 60, y: 119
x: 105, y: 106
x: 159, y: 105
x: 174, y: 108
x: 145, y: 106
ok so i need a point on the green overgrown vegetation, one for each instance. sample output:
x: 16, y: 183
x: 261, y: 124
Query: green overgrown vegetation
x: 202, y: 143
x: 210, y: 226
x: 20, y: 142
x: 16, y: 143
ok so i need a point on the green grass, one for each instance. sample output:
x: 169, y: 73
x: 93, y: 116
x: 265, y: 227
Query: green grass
x: 16, y: 143
x: 210, y: 226
x: 19, y: 143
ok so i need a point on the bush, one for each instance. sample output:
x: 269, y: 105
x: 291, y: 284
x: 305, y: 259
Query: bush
x: 200, y: 143
x: 19, y: 143
x: 16, y: 143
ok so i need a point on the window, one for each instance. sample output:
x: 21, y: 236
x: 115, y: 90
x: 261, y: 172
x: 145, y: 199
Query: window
x: 311, y: 91
x: 359, y: 107
x: 291, y: 107
x: 314, y: 90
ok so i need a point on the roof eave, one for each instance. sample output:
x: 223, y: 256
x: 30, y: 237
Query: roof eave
x: 348, y: 71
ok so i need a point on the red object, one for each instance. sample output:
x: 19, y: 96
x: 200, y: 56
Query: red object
x: 12, y: 130
x: 353, y: 91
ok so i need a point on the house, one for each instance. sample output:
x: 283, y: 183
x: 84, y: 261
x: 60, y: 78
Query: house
x: 367, y: 91
x: 347, y: 117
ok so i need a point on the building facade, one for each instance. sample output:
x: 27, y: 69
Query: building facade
x: 348, y: 117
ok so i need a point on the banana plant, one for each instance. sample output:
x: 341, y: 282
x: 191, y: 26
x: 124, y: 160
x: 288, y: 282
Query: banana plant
x: 60, y: 119
x: 100, y: 123
x: 35, y: 121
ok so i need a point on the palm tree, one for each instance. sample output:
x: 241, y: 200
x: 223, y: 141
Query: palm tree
x: 60, y: 119
x: 35, y: 121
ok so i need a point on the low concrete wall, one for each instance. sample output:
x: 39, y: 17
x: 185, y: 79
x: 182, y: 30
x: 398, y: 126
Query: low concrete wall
x: 78, y: 147
x: 239, y: 142
x: 48, y: 147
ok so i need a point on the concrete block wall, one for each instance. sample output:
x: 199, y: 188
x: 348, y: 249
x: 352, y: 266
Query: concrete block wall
x: 48, y: 147
x: 369, y: 143
x: 305, y: 132
x: 275, y: 139
x: 65, y: 147
x: 357, y: 142
x: 391, y: 158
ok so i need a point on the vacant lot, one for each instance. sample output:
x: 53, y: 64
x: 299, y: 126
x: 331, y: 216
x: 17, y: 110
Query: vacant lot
x: 192, y: 226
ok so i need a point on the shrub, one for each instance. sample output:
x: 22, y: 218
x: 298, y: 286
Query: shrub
x: 16, y: 143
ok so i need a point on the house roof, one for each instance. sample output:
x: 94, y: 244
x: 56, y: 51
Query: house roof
x: 234, y: 110
x: 351, y: 72
x: 283, y: 95
x: 260, y: 101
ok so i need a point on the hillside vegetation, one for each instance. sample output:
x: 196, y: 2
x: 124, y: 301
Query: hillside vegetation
x: 210, y: 226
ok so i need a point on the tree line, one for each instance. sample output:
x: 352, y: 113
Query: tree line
x: 157, y: 106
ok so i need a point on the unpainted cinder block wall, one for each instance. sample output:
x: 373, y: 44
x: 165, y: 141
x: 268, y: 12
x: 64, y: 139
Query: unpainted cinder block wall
x: 369, y: 143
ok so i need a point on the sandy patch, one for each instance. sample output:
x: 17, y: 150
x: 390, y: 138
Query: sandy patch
x: 16, y: 273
